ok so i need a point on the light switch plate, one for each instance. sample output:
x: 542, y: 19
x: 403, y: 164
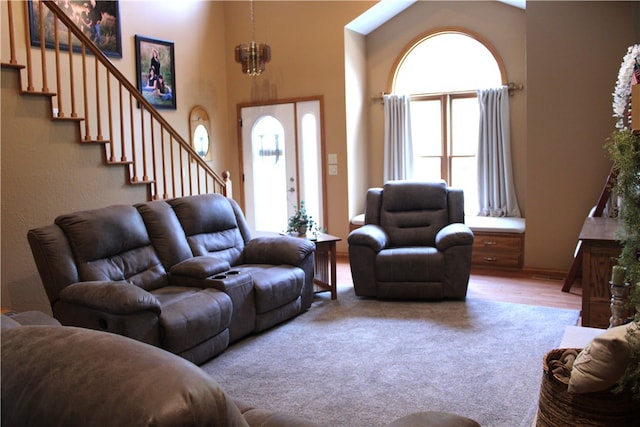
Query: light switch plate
x: 333, y: 169
x: 332, y: 159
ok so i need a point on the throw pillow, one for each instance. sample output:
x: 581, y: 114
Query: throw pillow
x: 601, y: 363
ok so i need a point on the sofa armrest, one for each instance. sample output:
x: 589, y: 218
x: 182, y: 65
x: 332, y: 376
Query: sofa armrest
x: 369, y: 235
x: 112, y: 297
x: 278, y: 250
x: 70, y: 376
x: 200, y: 267
x: 456, y: 234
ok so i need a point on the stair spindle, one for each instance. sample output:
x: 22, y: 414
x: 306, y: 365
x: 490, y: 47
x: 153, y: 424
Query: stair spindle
x: 87, y: 130
x: 28, y: 48
x: 72, y: 85
x: 12, y: 43
x: 98, y: 114
x: 58, y: 73
x: 43, y: 58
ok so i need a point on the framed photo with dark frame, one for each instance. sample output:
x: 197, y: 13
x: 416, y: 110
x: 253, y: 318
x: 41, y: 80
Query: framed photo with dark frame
x: 155, y: 71
x: 99, y: 20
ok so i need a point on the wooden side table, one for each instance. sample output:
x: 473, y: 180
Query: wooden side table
x: 325, y: 265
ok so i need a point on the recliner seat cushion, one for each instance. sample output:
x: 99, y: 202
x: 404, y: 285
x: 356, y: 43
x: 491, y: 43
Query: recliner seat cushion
x: 274, y: 286
x: 191, y: 316
x: 414, y: 264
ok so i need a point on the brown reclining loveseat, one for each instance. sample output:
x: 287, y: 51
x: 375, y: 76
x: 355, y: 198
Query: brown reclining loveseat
x: 183, y: 274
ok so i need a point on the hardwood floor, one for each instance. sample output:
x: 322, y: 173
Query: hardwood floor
x: 515, y: 287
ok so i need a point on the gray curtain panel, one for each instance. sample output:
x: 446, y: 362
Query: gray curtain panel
x: 398, y: 146
x: 496, y: 189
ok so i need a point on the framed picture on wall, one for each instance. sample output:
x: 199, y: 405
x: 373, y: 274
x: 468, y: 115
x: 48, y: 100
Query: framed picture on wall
x: 155, y: 71
x: 99, y: 20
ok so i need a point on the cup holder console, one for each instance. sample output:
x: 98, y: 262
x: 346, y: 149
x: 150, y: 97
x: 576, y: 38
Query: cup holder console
x: 226, y: 274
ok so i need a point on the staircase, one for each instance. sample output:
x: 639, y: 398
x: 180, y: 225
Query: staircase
x: 85, y: 87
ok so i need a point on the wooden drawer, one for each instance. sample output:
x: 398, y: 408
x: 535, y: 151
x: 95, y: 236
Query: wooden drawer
x: 496, y: 259
x: 497, y: 241
x: 498, y: 250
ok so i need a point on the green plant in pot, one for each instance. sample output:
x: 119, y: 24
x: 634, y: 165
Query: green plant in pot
x: 624, y: 150
x: 300, y: 222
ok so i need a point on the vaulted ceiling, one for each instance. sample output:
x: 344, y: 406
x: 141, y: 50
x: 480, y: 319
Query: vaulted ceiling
x: 387, y: 9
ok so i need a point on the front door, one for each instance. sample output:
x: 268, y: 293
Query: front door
x: 281, y: 162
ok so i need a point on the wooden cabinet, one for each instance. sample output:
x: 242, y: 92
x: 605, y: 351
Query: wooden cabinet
x: 600, y: 250
x: 498, y: 250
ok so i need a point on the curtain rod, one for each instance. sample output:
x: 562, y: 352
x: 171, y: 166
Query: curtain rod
x: 510, y: 86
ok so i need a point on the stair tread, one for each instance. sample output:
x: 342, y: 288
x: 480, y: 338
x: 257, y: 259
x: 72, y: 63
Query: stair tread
x: 10, y: 65
x: 94, y: 141
x: 119, y: 162
x: 38, y: 93
x: 68, y: 119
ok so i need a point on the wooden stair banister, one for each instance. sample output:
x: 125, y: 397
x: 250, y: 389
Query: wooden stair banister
x: 152, y: 143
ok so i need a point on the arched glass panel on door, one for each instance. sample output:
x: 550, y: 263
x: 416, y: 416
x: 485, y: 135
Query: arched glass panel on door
x: 268, y: 152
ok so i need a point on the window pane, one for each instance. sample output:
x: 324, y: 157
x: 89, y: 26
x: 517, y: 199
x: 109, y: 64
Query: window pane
x: 312, y: 179
x: 465, y: 116
x: 447, y: 62
x: 426, y: 128
x: 426, y: 168
x: 463, y: 172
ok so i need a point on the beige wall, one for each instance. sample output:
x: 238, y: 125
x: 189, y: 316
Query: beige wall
x: 357, y: 103
x: 574, y: 51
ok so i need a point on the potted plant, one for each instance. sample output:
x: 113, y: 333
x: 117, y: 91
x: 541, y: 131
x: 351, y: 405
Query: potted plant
x: 624, y: 150
x: 300, y: 222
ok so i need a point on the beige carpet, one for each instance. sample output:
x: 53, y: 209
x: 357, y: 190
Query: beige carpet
x: 363, y: 363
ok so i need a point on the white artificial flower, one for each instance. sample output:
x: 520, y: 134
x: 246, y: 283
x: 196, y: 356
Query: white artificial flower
x: 622, y: 91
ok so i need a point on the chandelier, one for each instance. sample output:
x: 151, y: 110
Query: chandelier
x: 253, y: 56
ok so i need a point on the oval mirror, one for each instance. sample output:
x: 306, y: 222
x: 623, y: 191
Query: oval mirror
x: 199, y: 127
x: 201, y: 140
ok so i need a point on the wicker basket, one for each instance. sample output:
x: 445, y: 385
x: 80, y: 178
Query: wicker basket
x: 559, y: 408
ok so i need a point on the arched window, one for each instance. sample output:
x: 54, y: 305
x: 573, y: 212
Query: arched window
x: 442, y: 71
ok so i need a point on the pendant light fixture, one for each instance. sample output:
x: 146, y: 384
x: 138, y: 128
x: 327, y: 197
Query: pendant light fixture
x: 253, y: 56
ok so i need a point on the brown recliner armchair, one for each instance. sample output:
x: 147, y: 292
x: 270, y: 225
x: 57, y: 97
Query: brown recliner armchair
x: 414, y: 244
